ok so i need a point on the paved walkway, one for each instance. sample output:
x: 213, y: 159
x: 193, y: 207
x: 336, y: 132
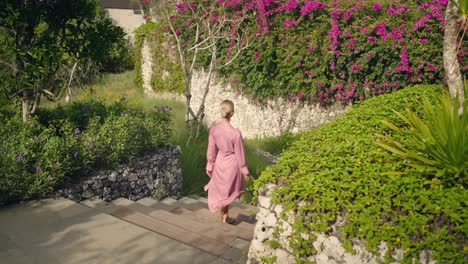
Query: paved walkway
x: 61, y: 231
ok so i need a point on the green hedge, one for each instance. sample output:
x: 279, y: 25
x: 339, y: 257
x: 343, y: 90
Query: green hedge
x: 65, y: 143
x: 167, y: 74
x: 338, y: 170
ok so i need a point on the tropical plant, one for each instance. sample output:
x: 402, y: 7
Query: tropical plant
x: 434, y: 145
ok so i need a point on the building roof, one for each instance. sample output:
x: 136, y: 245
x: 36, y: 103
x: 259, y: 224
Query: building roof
x: 120, y: 4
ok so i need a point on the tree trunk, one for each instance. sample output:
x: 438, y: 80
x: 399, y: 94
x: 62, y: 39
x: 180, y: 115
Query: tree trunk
x: 35, y: 105
x: 68, y: 97
x: 25, y: 109
x: 451, y: 65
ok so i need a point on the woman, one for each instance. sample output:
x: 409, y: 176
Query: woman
x: 226, y: 163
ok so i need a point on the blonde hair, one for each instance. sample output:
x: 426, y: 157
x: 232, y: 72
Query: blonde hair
x: 226, y: 108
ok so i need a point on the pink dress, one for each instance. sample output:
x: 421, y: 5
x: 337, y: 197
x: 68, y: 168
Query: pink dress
x: 226, y: 159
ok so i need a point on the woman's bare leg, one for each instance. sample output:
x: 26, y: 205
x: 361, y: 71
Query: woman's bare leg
x: 224, y: 214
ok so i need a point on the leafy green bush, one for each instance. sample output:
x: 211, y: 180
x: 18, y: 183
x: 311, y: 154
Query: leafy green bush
x: 167, y: 74
x: 436, y: 145
x: 337, y: 170
x: 67, y: 142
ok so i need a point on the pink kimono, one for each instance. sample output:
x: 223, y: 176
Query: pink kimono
x: 228, y: 165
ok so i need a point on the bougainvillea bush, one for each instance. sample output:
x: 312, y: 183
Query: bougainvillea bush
x: 339, y: 170
x: 63, y: 144
x: 330, y: 51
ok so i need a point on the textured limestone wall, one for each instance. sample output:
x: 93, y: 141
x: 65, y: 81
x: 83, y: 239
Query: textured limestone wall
x: 329, y: 248
x: 272, y: 118
x: 158, y: 175
x: 147, y: 72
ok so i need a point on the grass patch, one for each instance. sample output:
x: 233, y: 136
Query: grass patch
x: 273, y: 145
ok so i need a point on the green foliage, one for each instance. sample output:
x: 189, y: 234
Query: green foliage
x: 40, y: 39
x: 337, y: 170
x: 274, y: 145
x: 434, y: 145
x: 64, y: 143
x: 167, y: 74
x: 120, y: 57
x: 269, y: 260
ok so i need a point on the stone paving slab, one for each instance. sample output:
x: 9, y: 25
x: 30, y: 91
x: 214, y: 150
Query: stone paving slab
x: 182, y: 235
x: 247, y: 227
x: 63, y: 232
x: 214, y: 220
x: 204, y: 229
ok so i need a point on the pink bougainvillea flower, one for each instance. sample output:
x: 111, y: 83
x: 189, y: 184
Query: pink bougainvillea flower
x: 420, y: 23
x: 423, y: 40
x: 371, y: 39
x: 377, y: 7
x: 397, y: 34
x: 356, y: 67
x: 310, y: 6
x: 347, y: 15
x: 257, y: 55
x: 290, y: 24
x: 381, y: 29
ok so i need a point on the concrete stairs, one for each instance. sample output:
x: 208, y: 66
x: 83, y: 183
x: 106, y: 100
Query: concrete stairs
x: 188, y: 221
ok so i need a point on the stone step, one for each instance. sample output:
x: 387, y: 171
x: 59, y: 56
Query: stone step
x: 100, y: 205
x: 243, y: 230
x: 164, y: 228
x: 214, y: 221
x: 182, y: 217
x: 219, y: 233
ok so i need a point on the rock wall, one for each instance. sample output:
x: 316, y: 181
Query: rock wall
x: 147, y: 72
x: 271, y: 118
x: 329, y: 248
x: 158, y: 175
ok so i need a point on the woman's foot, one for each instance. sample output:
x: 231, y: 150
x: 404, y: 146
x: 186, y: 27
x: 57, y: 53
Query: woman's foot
x: 227, y: 220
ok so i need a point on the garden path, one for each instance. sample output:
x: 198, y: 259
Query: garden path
x: 181, y: 231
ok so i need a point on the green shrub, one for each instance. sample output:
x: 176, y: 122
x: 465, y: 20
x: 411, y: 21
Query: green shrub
x: 65, y: 143
x: 435, y: 145
x: 167, y: 74
x: 337, y: 170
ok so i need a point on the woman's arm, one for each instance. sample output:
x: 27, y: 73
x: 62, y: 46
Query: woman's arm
x: 240, y: 154
x: 210, y: 154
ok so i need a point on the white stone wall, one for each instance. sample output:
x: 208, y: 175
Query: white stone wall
x: 147, y: 71
x: 272, y: 118
x: 126, y: 19
x: 329, y: 248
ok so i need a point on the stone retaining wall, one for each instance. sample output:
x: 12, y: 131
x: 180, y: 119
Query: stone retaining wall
x: 158, y: 175
x: 329, y: 248
x: 271, y: 118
